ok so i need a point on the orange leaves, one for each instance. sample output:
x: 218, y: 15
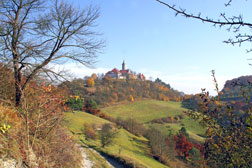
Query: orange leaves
x: 8, y: 116
x: 115, y: 97
x: 91, y: 82
x: 131, y: 98
x: 47, y: 89
x: 217, y: 103
x: 164, y: 97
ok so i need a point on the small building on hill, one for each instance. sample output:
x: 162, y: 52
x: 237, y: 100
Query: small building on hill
x: 124, y: 73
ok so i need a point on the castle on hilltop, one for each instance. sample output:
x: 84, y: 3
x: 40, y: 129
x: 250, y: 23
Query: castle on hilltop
x: 124, y: 73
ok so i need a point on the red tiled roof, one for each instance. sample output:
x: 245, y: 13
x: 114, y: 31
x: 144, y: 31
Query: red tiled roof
x: 115, y: 70
x: 124, y: 71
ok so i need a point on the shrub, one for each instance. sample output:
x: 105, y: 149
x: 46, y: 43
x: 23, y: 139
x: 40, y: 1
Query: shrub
x: 75, y: 102
x: 107, y: 135
x: 10, y: 127
x: 89, y: 131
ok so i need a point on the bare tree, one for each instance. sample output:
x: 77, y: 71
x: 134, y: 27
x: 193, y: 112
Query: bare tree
x: 37, y: 33
x: 107, y: 135
x: 232, y: 23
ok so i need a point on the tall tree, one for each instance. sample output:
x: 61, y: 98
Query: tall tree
x: 37, y: 33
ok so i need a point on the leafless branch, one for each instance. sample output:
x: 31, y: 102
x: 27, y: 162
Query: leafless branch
x: 234, y: 23
x: 59, y: 32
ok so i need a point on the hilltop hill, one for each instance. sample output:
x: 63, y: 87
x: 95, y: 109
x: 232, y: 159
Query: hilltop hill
x: 240, y: 81
x: 234, y: 89
x: 106, y: 90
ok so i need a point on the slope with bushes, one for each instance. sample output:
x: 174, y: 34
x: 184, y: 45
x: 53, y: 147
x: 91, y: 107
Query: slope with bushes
x: 126, y: 147
x: 151, y: 113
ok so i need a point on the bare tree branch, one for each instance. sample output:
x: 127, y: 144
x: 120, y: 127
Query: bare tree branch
x: 234, y: 23
x: 32, y: 38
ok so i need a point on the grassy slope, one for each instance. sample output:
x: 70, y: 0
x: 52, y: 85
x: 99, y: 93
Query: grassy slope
x: 145, y: 111
x: 132, y: 148
x: 75, y: 121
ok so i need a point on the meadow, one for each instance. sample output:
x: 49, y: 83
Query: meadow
x: 132, y: 149
x: 147, y: 110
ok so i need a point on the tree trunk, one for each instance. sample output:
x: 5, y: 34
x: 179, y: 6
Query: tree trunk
x: 18, y: 95
x: 18, y: 87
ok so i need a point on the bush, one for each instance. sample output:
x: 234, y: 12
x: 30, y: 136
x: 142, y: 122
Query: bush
x: 42, y: 136
x: 10, y: 127
x: 131, y: 125
x: 107, y: 135
x: 75, y: 103
x: 91, y: 104
x: 229, y: 136
x: 89, y: 132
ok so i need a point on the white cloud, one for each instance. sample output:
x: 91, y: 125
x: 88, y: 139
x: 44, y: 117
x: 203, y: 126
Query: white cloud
x: 74, y: 70
x: 189, y: 82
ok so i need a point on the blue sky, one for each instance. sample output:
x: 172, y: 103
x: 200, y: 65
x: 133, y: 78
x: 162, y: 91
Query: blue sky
x: 180, y: 51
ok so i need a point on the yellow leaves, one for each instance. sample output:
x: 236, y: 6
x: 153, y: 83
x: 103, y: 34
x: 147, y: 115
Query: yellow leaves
x: 209, y: 132
x: 164, y: 97
x: 4, y: 128
x: 90, y: 82
x: 47, y: 89
x: 250, y: 128
x: 132, y: 99
x: 77, y: 97
x: 8, y: 116
x: 94, y: 76
x: 216, y: 146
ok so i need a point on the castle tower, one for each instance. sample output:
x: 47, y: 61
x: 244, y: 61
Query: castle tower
x: 123, y: 65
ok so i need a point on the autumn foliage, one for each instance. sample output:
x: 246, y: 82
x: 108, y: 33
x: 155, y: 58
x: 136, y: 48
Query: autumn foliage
x: 89, y: 131
x: 229, y: 135
x: 105, y: 90
x: 31, y: 134
x: 90, y: 82
x: 182, y: 145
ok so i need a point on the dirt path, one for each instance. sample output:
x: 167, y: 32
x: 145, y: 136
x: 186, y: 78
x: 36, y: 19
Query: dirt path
x: 86, y: 163
x: 112, y: 163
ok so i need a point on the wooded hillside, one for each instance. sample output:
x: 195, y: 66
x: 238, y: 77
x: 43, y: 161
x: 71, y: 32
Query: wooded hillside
x: 107, y: 90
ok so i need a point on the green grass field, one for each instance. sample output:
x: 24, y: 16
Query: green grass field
x: 147, y: 110
x: 75, y: 121
x: 134, y: 149
x: 131, y: 148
